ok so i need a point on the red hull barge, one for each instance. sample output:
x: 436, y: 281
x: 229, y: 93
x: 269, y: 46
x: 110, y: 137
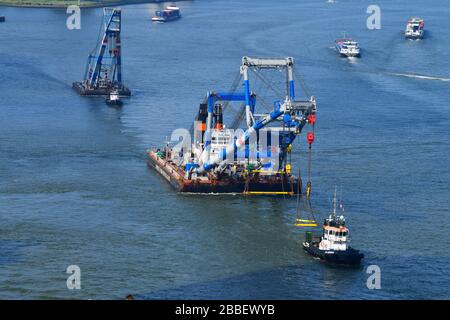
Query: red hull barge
x: 280, y: 184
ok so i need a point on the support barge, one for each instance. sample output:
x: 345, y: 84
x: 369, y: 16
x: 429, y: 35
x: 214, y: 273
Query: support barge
x: 258, y: 185
x: 86, y: 90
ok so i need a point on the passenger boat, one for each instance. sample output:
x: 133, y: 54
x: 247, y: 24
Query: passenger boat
x: 414, y: 29
x: 168, y: 14
x: 347, y: 47
x: 114, y: 99
x: 333, y: 246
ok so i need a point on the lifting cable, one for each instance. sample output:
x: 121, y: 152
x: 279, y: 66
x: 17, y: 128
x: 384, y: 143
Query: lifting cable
x: 307, y: 206
x: 240, y: 114
x: 277, y: 92
x: 310, y: 138
x: 302, y: 83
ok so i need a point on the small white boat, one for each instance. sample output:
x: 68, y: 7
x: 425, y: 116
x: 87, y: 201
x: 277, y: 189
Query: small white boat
x: 414, y: 28
x: 347, y: 47
x: 114, y: 98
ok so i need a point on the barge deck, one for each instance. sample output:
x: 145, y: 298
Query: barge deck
x: 100, y: 91
x: 281, y: 184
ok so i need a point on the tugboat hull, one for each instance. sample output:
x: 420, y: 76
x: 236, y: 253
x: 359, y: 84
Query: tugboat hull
x: 347, y: 257
x: 114, y: 103
x: 350, y: 55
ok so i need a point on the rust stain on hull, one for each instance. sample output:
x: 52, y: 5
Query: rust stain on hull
x: 280, y: 184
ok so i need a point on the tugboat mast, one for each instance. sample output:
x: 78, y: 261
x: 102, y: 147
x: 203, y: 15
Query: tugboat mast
x: 334, y: 203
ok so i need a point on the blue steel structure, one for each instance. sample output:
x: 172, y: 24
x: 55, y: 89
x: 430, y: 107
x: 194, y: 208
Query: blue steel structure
x: 253, y: 162
x: 292, y: 114
x: 212, y: 98
x: 104, y: 68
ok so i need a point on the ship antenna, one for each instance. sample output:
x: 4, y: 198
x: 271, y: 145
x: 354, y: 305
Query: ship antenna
x: 334, y: 202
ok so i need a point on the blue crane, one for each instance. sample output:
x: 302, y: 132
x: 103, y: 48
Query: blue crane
x: 104, y: 68
x: 292, y: 113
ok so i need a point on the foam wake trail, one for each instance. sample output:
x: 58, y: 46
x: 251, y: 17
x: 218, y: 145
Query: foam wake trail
x: 418, y: 76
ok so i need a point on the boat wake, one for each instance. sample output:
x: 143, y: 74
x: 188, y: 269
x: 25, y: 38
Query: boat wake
x: 418, y: 76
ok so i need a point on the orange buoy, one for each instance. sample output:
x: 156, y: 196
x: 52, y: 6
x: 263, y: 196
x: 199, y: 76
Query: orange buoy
x: 310, y: 137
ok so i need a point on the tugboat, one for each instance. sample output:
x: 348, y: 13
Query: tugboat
x: 347, y: 47
x: 414, y: 29
x: 113, y: 99
x: 168, y: 14
x: 333, y: 246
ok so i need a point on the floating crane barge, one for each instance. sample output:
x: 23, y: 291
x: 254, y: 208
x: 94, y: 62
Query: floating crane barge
x: 255, y: 161
x: 104, y: 68
x: 270, y: 185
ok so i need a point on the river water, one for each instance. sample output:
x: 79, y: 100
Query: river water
x: 75, y: 188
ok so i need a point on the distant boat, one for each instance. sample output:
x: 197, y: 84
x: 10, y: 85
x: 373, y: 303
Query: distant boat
x: 113, y: 99
x: 347, y: 47
x: 169, y: 14
x: 2, y: 19
x: 414, y: 28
